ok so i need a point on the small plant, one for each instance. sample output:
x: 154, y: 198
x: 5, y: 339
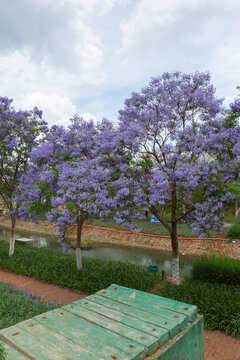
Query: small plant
x: 216, y: 269
x: 85, y: 244
x: 59, y: 269
x: 234, y: 230
x: 17, y: 305
x: 218, y: 303
x: 3, y: 354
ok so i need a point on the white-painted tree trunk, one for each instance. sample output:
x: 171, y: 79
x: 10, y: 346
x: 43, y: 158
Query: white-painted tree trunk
x: 237, y: 208
x: 12, y: 240
x: 79, y: 258
x: 11, y: 247
x: 175, y: 271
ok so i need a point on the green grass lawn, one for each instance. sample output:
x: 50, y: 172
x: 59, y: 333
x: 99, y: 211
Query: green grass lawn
x: 57, y: 268
x: 17, y: 305
x: 148, y: 227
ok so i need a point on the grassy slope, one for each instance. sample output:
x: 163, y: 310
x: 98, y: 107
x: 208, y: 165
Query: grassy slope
x: 152, y: 227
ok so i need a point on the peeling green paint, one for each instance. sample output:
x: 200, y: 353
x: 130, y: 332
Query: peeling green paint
x: 114, y: 324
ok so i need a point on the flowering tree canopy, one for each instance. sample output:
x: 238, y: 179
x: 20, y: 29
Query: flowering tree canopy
x: 19, y: 135
x: 69, y: 177
x: 174, y: 130
x: 232, y: 120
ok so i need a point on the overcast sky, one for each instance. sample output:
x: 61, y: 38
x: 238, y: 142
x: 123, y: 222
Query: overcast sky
x: 87, y: 56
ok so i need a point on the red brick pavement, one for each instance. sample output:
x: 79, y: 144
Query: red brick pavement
x: 217, y: 346
x: 48, y: 292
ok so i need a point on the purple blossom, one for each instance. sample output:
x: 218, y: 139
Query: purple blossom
x: 19, y: 135
x: 182, y: 154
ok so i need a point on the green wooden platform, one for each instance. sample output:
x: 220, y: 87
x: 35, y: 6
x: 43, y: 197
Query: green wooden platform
x: 116, y: 323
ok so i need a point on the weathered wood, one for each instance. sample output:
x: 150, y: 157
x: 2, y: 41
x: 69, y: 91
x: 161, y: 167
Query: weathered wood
x: 31, y: 345
x: 161, y: 334
x: 89, y: 336
x: 188, y: 344
x: 24, y: 240
x: 189, y: 310
x: 13, y: 354
x: 114, y: 324
x: 60, y: 342
x: 180, y: 319
x: 169, y: 325
x: 148, y: 341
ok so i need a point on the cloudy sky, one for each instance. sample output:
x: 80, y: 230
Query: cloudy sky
x: 87, y: 56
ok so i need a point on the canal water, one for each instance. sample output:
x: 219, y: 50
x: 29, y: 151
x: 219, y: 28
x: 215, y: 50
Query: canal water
x: 112, y: 252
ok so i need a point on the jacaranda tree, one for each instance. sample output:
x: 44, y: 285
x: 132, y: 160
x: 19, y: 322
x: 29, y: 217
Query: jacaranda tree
x: 174, y: 132
x: 20, y: 133
x: 232, y: 120
x: 69, y: 178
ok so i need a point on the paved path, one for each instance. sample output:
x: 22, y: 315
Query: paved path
x: 48, y: 292
x: 218, y: 346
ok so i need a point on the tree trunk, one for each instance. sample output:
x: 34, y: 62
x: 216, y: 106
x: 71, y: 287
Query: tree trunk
x: 174, y: 241
x: 12, y: 239
x: 175, y: 256
x: 78, y: 244
x: 237, y: 209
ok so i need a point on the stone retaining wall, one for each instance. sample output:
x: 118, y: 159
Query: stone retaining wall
x: 187, y: 245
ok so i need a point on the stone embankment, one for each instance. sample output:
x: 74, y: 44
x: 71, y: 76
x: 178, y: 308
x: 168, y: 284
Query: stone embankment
x: 187, y: 245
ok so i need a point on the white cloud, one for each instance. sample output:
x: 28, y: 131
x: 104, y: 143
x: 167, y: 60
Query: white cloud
x: 101, y: 7
x: 148, y: 22
x: 56, y: 109
x: 87, y: 116
x: 90, y: 55
x: 87, y: 56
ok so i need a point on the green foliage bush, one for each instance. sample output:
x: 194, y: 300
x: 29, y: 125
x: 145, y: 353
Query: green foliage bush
x: 216, y: 269
x: 17, y: 305
x: 2, y: 352
x: 234, y: 230
x: 59, y: 269
x: 219, y: 304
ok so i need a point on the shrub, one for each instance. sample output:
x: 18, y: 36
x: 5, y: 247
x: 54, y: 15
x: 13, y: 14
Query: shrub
x: 59, y: 269
x: 17, y: 305
x: 234, y: 230
x: 216, y: 269
x: 219, y: 304
x: 2, y: 352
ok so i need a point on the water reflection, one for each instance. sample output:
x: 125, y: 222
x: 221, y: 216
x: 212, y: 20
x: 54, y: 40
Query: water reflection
x: 133, y: 255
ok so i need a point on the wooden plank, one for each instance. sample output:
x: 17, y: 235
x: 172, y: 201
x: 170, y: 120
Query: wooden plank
x: 24, y: 240
x: 187, y: 345
x: 169, y: 325
x: 30, y: 345
x: 148, y: 341
x: 161, y: 334
x: 13, y: 354
x: 181, y: 319
x: 189, y: 310
x: 90, y: 336
x: 61, y: 343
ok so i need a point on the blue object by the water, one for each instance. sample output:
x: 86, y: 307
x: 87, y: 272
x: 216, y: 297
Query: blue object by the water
x: 154, y: 218
x: 153, y: 268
